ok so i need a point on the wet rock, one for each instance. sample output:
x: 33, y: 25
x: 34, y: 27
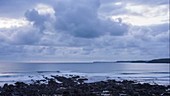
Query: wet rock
x: 81, y: 80
x: 75, y: 86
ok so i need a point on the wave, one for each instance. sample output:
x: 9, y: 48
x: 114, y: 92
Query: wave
x: 158, y: 77
x: 129, y: 73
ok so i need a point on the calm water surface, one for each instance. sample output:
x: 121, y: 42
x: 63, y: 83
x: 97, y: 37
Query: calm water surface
x: 142, y: 72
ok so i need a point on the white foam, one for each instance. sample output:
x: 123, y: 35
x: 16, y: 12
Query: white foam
x: 92, y: 77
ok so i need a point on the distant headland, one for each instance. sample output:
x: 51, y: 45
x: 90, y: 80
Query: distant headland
x: 161, y: 60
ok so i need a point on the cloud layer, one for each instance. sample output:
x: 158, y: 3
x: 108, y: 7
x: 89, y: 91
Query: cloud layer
x: 74, y: 30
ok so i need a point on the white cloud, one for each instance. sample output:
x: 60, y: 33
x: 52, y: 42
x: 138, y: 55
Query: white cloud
x: 144, y: 15
x: 44, y: 9
x: 118, y: 3
x: 12, y: 22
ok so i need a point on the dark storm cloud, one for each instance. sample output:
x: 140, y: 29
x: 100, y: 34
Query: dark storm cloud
x: 37, y: 19
x: 80, y: 19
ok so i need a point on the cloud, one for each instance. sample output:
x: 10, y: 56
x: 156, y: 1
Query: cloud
x: 136, y: 12
x: 79, y: 19
x: 150, y: 2
x: 20, y: 36
x: 84, y: 30
x: 11, y: 22
x: 8, y: 7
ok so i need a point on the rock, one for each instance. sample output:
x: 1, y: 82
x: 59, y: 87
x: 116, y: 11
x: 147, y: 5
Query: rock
x: 81, y: 80
x: 75, y: 86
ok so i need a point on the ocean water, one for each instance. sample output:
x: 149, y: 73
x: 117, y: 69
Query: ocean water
x: 141, y: 72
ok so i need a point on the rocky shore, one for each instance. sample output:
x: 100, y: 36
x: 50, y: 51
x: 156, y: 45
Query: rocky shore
x: 76, y: 86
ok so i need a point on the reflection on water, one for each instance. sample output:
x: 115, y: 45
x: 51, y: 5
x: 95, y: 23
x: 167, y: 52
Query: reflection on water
x: 87, y: 68
x: 137, y: 71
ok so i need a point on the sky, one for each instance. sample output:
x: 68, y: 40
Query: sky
x: 83, y: 30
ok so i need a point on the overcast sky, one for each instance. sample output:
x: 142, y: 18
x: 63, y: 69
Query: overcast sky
x: 83, y: 30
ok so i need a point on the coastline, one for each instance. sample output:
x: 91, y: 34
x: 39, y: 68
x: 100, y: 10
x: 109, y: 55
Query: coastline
x: 75, y: 85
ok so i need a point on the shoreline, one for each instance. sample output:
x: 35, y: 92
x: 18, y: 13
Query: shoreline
x: 93, y: 77
x: 76, y: 86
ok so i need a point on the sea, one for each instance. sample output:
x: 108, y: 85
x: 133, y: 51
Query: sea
x: 153, y: 73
